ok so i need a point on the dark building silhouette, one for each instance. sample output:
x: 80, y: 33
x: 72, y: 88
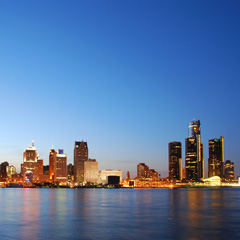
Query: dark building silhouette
x: 194, y: 161
x: 216, y: 157
x: 46, y: 170
x: 229, y: 170
x: 175, y: 160
x: 70, y: 172
x: 4, y: 175
x: 80, y: 156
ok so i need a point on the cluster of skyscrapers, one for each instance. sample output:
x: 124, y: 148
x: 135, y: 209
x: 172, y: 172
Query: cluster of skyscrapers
x: 84, y: 170
x: 194, y: 163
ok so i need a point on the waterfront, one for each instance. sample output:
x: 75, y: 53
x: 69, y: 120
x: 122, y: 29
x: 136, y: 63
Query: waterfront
x: 120, y: 213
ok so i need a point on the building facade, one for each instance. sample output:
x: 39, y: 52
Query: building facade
x: 104, y: 175
x: 52, y: 161
x: 80, y: 156
x: 60, y: 167
x: 194, y: 162
x: 144, y: 172
x: 229, y: 170
x: 30, y: 164
x: 91, y: 171
x: 216, y: 157
x: 175, y: 160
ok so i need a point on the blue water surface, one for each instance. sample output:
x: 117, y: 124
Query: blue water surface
x: 120, y: 213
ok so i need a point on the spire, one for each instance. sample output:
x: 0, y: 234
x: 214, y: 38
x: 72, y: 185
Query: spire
x: 33, y: 143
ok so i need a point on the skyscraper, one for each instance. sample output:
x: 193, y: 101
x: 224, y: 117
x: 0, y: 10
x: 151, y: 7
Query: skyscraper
x: 60, y: 167
x: 30, y: 165
x: 194, y: 161
x: 80, y: 156
x: 52, y: 161
x: 216, y: 157
x: 175, y: 160
x: 57, y: 166
x: 229, y: 170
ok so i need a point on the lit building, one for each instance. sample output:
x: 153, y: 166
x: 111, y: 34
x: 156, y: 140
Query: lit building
x: 11, y: 170
x: 175, y: 160
x: 70, y: 172
x: 80, y: 156
x: 212, y: 181
x: 194, y: 161
x: 144, y: 172
x: 128, y: 176
x: 229, y: 170
x: 60, y: 167
x: 216, y: 157
x: 4, y: 175
x: 40, y: 166
x: 106, y: 175
x: 30, y: 164
x: 52, y: 161
x: 91, y: 171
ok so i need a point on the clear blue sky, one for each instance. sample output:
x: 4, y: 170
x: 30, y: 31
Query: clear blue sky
x: 125, y: 76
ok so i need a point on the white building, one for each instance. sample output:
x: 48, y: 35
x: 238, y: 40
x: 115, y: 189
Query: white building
x: 104, y: 174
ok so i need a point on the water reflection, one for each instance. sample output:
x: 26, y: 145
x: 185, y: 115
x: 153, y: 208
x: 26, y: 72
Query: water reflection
x: 119, y: 213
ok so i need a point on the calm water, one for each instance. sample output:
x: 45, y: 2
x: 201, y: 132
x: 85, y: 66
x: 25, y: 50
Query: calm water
x: 120, y: 213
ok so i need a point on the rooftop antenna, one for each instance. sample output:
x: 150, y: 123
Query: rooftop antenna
x: 33, y: 143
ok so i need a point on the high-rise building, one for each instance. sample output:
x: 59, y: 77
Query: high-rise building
x: 40, y: 166
x: 60, y: 167
x: 194, y: 161
x: 11, y: 170
x: 91, y: 171
x: 216, y: 157
x: 80, y: 156
x: 30, y: 164
x: 229, y: 170
x: 52, y: 161
x: 70, y: 172
x: 175, y: 160
x: 144, y: 172
x: 4, y: 175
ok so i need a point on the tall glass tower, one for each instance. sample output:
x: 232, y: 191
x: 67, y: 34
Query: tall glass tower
x: 175, y: 160
x: 216, y: 157
x: 194, y: 152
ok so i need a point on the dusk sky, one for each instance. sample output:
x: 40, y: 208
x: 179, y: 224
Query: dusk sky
x: 125, y: 76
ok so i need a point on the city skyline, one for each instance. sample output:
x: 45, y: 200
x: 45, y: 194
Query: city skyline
x: 127, y: 77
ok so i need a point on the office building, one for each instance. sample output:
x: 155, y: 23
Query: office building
x: 80, y: 156
x: 108, y: 176
x: 90, y: 171
x: 52, y: 161
x: 229, y: 170
x: 175, y: 160
x: 70, y: 173
x: 30, y: 164
x: 11, y: 170
x: 4, y: 173
x: 216, y: 157
x: 144, y: 172
x: 194, y: 161
x: 60, y: 167
x: 40, y: 166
